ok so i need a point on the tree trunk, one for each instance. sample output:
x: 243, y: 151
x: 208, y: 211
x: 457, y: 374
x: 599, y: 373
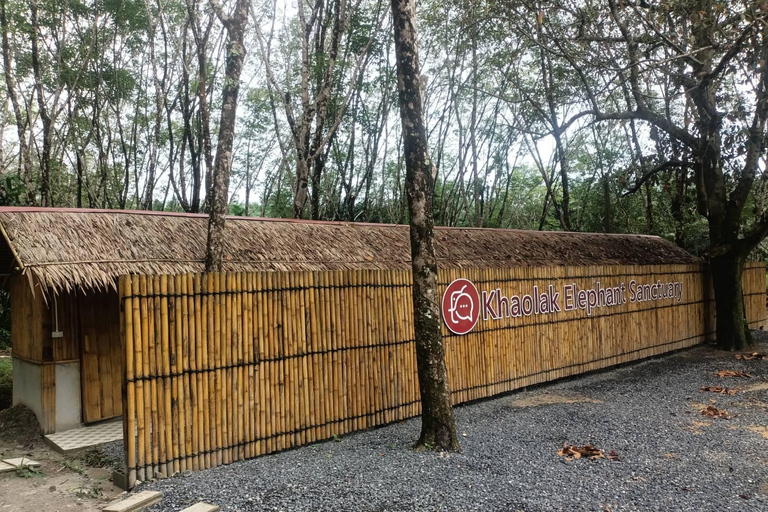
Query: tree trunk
x: 302, y: 183
x: 732, y: 329
x: 317, y: 172
x: 235, y: 26
x: 25, y: 153
x: 438, y: 426
x: 607, y: 211
x: 45, y: 159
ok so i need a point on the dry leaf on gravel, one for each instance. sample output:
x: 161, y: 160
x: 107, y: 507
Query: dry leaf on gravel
x: 749, y: 357
x: 731, y: 373
x: 714, y: 412
x: 718, y: 389
x: 613, y: 455
x: 588, y: 451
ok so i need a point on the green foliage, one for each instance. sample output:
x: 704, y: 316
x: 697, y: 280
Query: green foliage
x: 72, y: 465
x: 90, y: 489
x: 5, y: 320
x: 129, y: 16
x: 96, y: 458
x: 28, y: 472
x: 13, y: 190
x: 6, y: 383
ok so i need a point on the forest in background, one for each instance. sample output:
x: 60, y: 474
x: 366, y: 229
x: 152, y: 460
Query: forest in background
x: 114, y: 104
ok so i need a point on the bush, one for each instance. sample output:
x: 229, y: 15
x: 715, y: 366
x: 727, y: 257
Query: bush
x: 6, y: 383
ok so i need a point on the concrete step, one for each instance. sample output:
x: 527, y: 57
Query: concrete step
x: 135, y: 502
x: 202, y: 507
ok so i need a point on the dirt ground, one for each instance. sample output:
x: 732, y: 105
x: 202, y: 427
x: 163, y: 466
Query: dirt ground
x: 71, y: 482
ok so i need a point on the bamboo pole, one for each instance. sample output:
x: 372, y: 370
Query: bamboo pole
x: 129, y: 419
x: 309, y: 337
x: 250, y: 370
x: 152, y: 384
x: 271, y: 344
x: 196, y: 312
x: 140, y: 328
x: 335, y: 335
x: 209, y: 333
x: 238, y: 422
x: 262, y: 311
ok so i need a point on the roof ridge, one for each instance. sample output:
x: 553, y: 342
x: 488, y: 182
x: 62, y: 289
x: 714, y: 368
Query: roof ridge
x: 39, y: 209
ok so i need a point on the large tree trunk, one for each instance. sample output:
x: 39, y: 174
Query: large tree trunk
x: 438, y: 427
x: 732, y: 329
x: 235, y: 26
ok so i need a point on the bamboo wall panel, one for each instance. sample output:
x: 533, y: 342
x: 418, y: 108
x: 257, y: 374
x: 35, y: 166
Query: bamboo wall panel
x: 101, y: 365
x: 48, y: 398
x: 67, y: 347
x: 26, y: 320
x: 222, y: 367
x: 754, y: 284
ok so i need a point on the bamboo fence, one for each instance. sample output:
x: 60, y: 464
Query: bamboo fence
x: 754, y: 285
x: 223, y: 367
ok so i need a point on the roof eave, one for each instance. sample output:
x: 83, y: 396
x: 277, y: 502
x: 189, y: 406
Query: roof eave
x: 7, y: 240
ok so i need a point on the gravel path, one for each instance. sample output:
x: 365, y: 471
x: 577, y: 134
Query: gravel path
x: 671, y: 457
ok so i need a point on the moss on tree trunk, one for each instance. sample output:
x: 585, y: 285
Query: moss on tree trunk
x: 438, y: 426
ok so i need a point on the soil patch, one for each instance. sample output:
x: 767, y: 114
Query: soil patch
x: 60, y: 483
x: 546, y: 398
x: 19, y: 425
x: 760, y: 386
x: 762, y: 430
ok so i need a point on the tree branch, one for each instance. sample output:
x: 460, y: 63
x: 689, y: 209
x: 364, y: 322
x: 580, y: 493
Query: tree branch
x: 670, y: 164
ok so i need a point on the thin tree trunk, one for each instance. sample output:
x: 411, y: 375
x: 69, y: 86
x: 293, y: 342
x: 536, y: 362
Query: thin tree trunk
x: 438, y: 426
x: 607, y: 210
x: 45, y: 160
x: 235, y: 26
x: 25, y: 154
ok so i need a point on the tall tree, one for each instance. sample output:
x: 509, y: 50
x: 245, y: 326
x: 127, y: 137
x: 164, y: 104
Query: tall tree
x: 715, y: 54
x: 438, y: 426
x: 315, y: 109
x: 234, y: 24
x: 20, y: 115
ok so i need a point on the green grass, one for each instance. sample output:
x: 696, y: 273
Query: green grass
x: 6, y: 383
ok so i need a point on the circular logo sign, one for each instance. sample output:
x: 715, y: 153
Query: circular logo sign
x: 461, y: 306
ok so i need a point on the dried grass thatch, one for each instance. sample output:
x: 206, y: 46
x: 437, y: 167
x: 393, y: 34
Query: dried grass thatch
x: 86, y: 249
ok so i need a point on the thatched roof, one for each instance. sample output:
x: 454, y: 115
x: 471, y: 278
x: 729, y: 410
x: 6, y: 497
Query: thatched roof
x: 66, y: 249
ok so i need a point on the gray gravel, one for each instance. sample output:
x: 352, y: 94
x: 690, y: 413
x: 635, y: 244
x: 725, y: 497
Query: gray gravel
x: 113, y: 453
x: 671, y: 457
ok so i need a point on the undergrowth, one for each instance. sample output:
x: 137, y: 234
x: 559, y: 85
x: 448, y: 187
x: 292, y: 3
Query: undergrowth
x: 6, y: 383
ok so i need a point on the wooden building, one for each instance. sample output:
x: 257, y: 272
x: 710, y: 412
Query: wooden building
x: 63, y: 267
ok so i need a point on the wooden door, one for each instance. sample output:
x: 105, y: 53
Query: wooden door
x: 101, y: 366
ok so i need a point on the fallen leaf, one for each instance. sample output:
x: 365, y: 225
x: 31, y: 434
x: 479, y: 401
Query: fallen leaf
x: 613, y: 455
x: 749, y: 357
x: 731, y: 373
x: 571, y: 452
x: 718, y: 389
x: 714, y: 412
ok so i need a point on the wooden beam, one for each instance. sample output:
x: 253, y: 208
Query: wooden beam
x: 202, y: 507
x: 136, y: 502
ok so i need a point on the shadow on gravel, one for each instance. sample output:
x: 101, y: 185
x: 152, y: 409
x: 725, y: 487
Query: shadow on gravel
x: 669, y: 455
